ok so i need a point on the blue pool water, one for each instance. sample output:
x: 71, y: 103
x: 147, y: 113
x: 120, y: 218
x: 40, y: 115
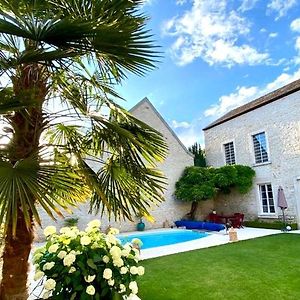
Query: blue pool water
x: 163, y: 238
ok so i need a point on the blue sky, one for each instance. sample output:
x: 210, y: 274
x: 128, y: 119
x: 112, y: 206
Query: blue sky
x: 217, y: 55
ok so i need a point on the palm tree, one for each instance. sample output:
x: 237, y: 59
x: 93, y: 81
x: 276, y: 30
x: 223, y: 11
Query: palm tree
x: 59, y: 62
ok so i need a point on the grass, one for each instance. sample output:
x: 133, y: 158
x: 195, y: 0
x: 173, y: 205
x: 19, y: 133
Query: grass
x: 269, y: 225
x: 263, y: 268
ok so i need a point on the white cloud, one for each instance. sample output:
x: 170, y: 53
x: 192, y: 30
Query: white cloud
x: 247, y: 5
x: 295, y: 25
x: 212, y: 32
x: 176, y: 124
x: 180, y: 2
x: 281, y: 7
x: 273, y: 35
x: 243, y: 94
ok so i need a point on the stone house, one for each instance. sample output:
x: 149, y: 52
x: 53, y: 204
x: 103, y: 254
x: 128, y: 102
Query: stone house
x: 178, y: 158
x: 263, y: 134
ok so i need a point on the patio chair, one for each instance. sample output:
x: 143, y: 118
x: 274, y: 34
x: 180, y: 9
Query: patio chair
x: 237, y: 220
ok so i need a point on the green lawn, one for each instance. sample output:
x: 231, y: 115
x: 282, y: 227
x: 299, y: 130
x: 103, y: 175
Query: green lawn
x: 263, y: 268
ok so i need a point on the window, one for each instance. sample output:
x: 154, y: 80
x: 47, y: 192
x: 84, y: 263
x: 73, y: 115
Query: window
x: 266, y: 197
x: 260, y: 148
x: 229, y: 153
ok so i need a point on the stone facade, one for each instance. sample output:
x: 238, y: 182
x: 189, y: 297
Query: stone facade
x: 280, y: 120
x: 177, y: 159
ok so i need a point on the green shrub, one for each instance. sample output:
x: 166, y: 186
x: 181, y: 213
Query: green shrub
x: 69, y: 222
x: 268, y: 225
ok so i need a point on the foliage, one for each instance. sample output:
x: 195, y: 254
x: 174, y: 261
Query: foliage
x: 199, y: 155
x: 198, y: 184
x: 68, y: 55
x: 261, y: 268
x: 269, y: 225
x: 71, y: 221
x: 86, y: 264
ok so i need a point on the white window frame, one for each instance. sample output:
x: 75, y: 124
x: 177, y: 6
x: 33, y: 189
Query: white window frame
x: 262, y: 213
x: 267, y: 147
x: 224, y: 152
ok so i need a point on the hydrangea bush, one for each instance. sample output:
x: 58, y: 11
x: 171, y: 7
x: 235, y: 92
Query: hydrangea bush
x: 87, y: 265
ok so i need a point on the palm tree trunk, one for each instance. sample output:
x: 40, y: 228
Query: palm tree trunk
x: 29, y: 84
x: 15, y: 262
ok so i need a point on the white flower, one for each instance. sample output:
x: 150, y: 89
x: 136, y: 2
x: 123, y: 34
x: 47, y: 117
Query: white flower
x: 49, y: 230
x: 118, y: 262
x: 107, y: 273
x: 69, y: 259
x: 50, y: 284
x: 85, y: 240
x: 61, y: 254
x: 69, y: 232
x: 141, y: 270
x: 94, y: 224
x: 90, y: 290
x: 111, y: 282
x: 133, y: 270
x: 115, y: 252
x: 123, y: 270
x: 105, y: 259
x: 37, y: 256
x: 48, y: 265
x: 53, y: 248
x: 46, y: 295
x: 111, y: 239
x: 114, y: 231
x: 38, y: 275
x: 72, y: 269
x: 133, y: 286
x: 133, y: 297
x: 125, y: 252
x: 122, y: 288
x: 89, y: 278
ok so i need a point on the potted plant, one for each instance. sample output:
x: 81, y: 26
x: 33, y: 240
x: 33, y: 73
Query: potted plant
x: 140, y: 225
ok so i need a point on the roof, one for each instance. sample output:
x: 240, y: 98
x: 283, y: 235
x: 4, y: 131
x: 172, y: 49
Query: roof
x: 146, y: 101
x: 259, y: 102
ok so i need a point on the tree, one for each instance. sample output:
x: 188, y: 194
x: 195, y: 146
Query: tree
x: 199, y: 155
x: 70, y: 54
x: 199, y: 184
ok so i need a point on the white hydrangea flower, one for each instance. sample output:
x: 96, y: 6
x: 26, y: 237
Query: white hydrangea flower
x: 69, y: 259
x: 115, y: 252
x: 53, y: 248
x: 125, y: 252
x: 107, y: 273
x: 105, y: 259
x: 118, y: 262
x: 38, y: 275
x: 90, y: 290
x: 46, y: 295
x: 62, y: 254
x: 48, y: 266
x: 111, y: 282
x: 123, y: 270
x: 141, y: 270
x: 50, y: 284
x: 85, y: 240
x: 133, y: 286
x: 133, y: 270
x: 94, y: 224
x: 111, y: 239
x: 49, y: 230
x: 72, y: 270
x: 122, y: 288
x: 89, y: 278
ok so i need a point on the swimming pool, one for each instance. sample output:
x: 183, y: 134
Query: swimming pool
x: 162, y: 238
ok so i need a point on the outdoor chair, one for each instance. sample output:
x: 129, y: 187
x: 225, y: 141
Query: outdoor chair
x: 237, y: 220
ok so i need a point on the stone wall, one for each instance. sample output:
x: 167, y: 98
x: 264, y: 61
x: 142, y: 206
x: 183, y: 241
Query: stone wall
x: 281, y: 122
x: 177, y: 159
